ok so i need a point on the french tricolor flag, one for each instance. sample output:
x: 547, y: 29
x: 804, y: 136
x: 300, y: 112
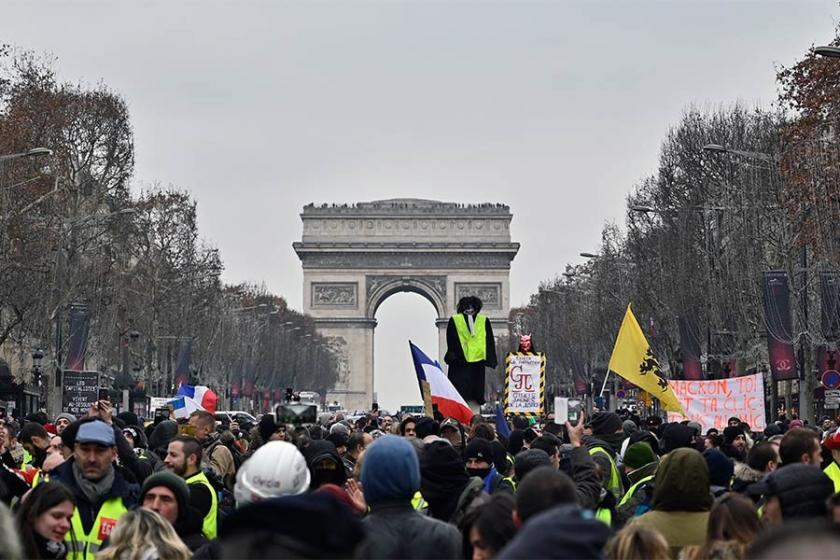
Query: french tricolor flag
x: 433, y: 382
x: 190, y: 398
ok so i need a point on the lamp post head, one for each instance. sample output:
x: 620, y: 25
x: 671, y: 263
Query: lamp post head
x: 589, y: 255
x: 715, y: 148
x: 827, y: 51
x: 38, y: 152
x: 644, y: 209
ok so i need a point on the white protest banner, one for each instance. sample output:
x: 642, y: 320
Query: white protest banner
x: 712, y: 403
x: 525, y: 383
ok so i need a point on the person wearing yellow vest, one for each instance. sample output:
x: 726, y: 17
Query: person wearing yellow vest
x: 607, y: 436
x: 640, y: 464
x: 102, y: 492
x: 35, y: 441
x: 832, y: 471
x: 167, y: 494
x: 183, y: 457
x: 470, y: 347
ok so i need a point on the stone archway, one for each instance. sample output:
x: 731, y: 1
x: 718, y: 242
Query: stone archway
x: 355, y: 256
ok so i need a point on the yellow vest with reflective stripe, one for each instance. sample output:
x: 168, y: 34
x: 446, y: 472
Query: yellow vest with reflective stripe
x: 473, y: 345
x: 832, y: 471
x: 632, y: 489
x: 614, y: 483
x: 86, y: 546
x: 419, y: 503
x: 604, y: 515
x: 209, y: 527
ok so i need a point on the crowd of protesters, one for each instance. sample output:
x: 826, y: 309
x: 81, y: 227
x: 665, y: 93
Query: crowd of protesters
x: 610, y: 486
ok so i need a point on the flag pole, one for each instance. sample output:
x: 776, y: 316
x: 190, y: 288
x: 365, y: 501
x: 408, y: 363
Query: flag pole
x: 604, y: 386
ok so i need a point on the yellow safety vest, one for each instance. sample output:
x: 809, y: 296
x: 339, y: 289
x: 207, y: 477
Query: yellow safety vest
x: 604, y: 515
x: 27, y: 460
x: 419, y: 503
x: 209, y: 528
x: 473, y: 345
x: 832, y: 471
x: 632, y: 489
x: 40, y: 477
x: 86, y: 546
x: 614, y: 483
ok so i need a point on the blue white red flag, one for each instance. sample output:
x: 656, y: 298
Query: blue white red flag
x: 429, y: 373
x: 190, y: 398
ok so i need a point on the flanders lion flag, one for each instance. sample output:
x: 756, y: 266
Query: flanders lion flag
x: 632, y: 359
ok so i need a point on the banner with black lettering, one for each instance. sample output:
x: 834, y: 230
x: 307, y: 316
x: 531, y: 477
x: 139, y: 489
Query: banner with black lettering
x: 690, y: 348
x: 779, y: 326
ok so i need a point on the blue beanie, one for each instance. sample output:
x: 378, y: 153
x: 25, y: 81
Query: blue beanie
x: 720, y: 466
x: 390, y: 470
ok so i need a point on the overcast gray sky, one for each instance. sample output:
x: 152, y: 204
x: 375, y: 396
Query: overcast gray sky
x: 556, y: 108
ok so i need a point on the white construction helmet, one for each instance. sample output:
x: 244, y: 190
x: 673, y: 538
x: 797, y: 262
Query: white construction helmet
x: 276, y: 469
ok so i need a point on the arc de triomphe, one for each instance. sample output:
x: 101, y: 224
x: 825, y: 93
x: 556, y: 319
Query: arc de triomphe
x: 356, y: 256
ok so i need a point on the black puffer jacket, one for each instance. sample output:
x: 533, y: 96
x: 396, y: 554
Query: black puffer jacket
x: 397, y: 531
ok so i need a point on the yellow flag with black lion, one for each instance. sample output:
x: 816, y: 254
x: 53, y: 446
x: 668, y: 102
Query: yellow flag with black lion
x: 633, y: 360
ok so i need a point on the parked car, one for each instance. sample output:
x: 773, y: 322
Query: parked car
x: 226, y: 416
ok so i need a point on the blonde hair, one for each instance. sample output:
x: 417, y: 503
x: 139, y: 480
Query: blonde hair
x: 142, y: 534
x: 637, y: 542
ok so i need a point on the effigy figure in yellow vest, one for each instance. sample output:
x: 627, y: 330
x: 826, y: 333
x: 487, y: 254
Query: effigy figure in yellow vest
x: 470, y: 347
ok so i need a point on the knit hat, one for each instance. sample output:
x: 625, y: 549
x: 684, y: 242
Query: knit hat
x: 66, y: 415
x: 129, y: 418
x: 266, y: 427
x: 174, y: 483
x: 675, y: 436
x: 390, y: 471
x: 479, y: 448
x: 528, y: 460
x: 629, y: 427
x: 832, y: 441
x: 638, y: 455
x: 772, y: 430
x: 340, y: 428
x: 802, y: 490
x: 731, y: 432
x: 425, y: 426
x: 720, y: 466
x: 605, y: 423
x: 796, y: 423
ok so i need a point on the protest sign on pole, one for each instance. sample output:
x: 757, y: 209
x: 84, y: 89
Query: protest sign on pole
x: 525, y: 383
x: 712, y: 403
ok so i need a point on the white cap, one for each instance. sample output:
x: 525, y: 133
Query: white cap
x: 276, y: 469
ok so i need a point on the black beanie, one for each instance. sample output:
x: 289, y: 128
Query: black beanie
x: 479, y: 448
x: 129, y: 418
x: 605, y: 423
x: 174, y: 483
x: 731, y: 432
x: 425, y: 426
x: 266, y: 427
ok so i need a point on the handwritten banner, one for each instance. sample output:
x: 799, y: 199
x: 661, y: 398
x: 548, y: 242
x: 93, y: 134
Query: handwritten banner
x: 80, y: 391
x: 712, y: 403
x: 525, y: 383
